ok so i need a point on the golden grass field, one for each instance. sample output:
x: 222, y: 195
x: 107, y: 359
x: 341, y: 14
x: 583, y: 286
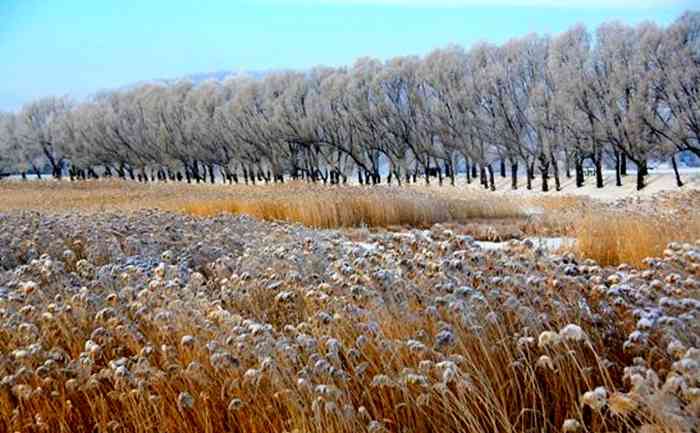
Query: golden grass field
x: 610, y: 238
x: 312, y: 205
x: 525, y: 357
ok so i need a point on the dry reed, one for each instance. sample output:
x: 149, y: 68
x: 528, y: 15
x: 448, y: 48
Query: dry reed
x: 613, y: 238
x: 313, y: 205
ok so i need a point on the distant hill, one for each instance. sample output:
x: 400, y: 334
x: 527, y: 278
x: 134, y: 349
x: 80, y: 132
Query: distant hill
x: 200, y: 77
x: 216, y: 76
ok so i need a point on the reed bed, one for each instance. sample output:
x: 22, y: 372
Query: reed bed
x: 312, y: 205
x: 151, y: 321
x: 614, y: 238
x: 355, y: 207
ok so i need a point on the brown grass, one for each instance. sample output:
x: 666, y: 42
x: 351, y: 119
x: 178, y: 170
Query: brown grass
x: 613, y: 238
x: 498, y: 387
x: 312, y: 205
x: 354, y: 207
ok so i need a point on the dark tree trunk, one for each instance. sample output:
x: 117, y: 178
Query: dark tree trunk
x: 449, y: 168
x: 474, y: 170
x: 492, y: 181
x: 482, y: 176
x: 468, y: 171
x: 195, y: 172
x: 427, y: 172
x: 679, y: 182
x: 641, y: 172
x: 530, y: 175
x: 599, y: 171
x: 360, y: 179
x: 580, y: 178
x: 618, y: 177
x: 514, y: 174
x: 544, y: 171
x: 555, y: 168
x: 623, y: 165
x: 212, y: 178
x: 504, y: 174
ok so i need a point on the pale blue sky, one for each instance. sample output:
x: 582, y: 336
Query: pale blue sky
x: 78, y: 47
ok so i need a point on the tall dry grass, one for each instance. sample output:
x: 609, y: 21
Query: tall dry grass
x: 496, y: 385
x: 323, y: 207
x: 613, y: 238
x: 312, y: 205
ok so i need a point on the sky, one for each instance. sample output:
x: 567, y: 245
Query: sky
x: 80, y: 47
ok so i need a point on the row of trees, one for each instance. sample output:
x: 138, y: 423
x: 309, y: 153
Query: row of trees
x: 539, y: 105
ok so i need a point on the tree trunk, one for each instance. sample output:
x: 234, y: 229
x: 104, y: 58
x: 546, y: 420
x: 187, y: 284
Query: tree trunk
x: 679, y: 182
x: 641, y: 172
x: 503, y: 168
x: 482, y: 176
x: 555, y: 168
x: 618, y: 178
x: 195, y: 172
x: 599, y: 171
x: 427, y: 172
x: 514, y: 174
x: 580, y: 178
x: 623, y: 165
x: 544, y: 171
x: 449, y: 171
x: 468, y: 171
x: 212, y: 178
x: 492, y: 181
x: 530, y: 175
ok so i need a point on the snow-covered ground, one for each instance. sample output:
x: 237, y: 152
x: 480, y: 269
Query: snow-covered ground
x: 658, y: 181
